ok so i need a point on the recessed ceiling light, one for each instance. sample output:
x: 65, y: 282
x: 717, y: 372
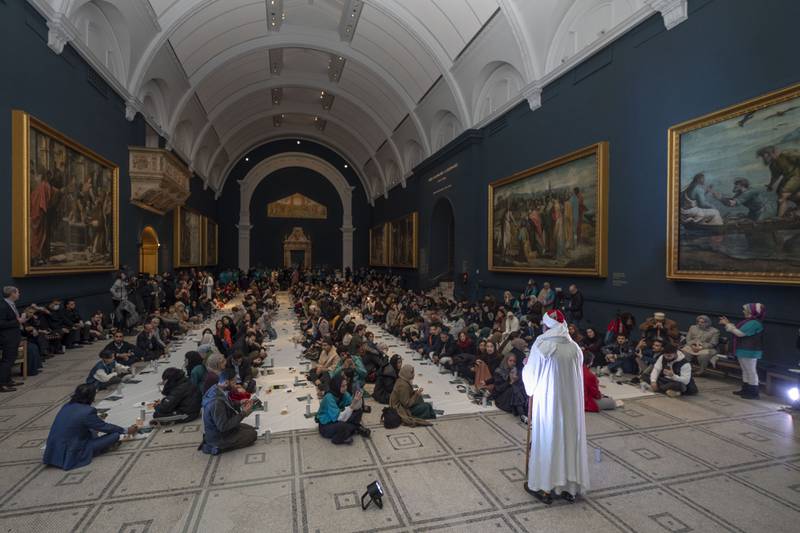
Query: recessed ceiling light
x: 298, y: 142
x: 345, y: 165
x: 248, y: 159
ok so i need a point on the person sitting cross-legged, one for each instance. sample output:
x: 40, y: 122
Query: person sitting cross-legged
x: 181, y: 397
x: 701, y: 343
x: 672, y: 375
x: 593, y: 400
x: 387, y: 376
x: 620, y: 357
x: 123, y: 351
x: 73, y: 440
x: 509, y: 392
x: 222, y: 421
x: 106, y: 371
x: 409, y: 403
x: 339, y: 414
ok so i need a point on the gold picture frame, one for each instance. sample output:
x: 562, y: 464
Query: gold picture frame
x: 525, y: 244
x: 719, y: 230
x: 210, y: 242
x: 379, y: 245
x: 60, y: 223
x: 187, y: 238
x: 404, y: 241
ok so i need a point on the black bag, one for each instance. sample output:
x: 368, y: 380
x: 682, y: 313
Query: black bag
x: 390, y: 418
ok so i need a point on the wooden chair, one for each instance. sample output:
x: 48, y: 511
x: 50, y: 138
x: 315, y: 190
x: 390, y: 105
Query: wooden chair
x: 22, y: 358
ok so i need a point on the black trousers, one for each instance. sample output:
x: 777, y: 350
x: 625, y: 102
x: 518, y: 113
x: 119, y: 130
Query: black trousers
x: 339, y: 432
x: 10, y: 348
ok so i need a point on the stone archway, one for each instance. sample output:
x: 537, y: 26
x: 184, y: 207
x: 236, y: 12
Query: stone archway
x: 264, y: 168
x: 148, y: 251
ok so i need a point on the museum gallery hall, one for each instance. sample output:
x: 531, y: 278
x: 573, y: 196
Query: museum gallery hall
x: 399, y: 265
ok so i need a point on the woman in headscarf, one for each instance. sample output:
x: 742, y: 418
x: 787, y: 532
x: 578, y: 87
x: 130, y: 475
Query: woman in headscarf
x: 195, y: 368
x: 207, y: 343
x: 701, y: 343
x: 181, y: 396
x: 387, y: 376
x: 339, y: 414
x: 509, y: 392
x: 408, y: 403
x: 485, y: 365
x: 748, y: 346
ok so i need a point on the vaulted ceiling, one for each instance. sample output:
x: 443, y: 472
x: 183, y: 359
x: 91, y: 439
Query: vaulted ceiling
x: 386, y: 83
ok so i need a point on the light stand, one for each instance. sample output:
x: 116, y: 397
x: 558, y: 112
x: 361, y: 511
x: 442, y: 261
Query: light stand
x: 375, y: 493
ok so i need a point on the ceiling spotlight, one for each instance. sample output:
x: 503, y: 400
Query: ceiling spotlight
x: 247, y: 159
x: 298, y: 142
x: 345, y: 165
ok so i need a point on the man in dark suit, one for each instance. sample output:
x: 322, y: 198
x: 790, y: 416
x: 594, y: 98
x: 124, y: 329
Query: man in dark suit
x: 124, y: 352
x: 146, y: 347
x: 10, y: 336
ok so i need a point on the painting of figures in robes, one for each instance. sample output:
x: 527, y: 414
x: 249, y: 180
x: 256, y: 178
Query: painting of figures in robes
x: 403, y: 241
x: 188, y: 238
x: 379, y: 246
x: 65, y: 203
x: 210, y: 242
x: 734, y: 193
x: 552, y: 218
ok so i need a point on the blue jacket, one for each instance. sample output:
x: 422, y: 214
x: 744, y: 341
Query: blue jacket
x: 220, y: 417
x: 329, y: 408
x: 73, y: 428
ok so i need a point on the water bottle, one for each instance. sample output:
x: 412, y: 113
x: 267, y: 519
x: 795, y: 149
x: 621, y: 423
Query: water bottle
x: 267, y: 436
x: 483, y: 400
x: 258, y: 420
x: 142, y: 414
x: 598, y: 454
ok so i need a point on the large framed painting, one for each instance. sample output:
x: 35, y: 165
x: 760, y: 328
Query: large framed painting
x: 552, y: 219
x: 733, y: 212
x: 379, y: 245
x: 188, y: 238
x: 403, y: 241
x: 210, y: 242
x: 65, y: 203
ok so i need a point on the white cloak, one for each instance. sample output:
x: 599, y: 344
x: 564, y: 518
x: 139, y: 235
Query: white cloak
x: 554, y: 378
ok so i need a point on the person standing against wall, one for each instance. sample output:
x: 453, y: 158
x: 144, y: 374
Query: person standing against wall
x: 10, y: 336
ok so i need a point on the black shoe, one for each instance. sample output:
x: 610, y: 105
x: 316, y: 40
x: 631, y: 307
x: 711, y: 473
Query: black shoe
x: 750, y: 392
x: 6, y: 388
x: 14, y: 384
x: 635, y: 381
x: 566, y: 496
x: 364, y: 432
x: 740, y: 391
x: 540, y: 495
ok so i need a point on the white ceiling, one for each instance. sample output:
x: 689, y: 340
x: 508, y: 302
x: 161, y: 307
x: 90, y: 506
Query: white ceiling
x: 413, y: 74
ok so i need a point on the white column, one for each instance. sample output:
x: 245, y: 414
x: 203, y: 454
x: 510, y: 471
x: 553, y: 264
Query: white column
x: 244, y: 245
x: 347, y: 244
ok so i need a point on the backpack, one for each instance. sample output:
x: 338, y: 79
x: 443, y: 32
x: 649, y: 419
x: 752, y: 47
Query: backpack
x: 390, y: 418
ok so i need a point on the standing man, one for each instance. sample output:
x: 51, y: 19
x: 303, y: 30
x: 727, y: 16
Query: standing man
x: 575, y: 305
x: 553, y: 378
x: 10, y: 336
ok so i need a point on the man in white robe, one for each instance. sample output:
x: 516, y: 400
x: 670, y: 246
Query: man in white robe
x: 553, y: 379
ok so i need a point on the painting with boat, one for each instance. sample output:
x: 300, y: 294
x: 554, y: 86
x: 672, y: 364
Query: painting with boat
x: 734, y: 193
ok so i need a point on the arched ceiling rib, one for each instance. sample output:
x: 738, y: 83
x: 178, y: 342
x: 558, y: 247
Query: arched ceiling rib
x: 207, y: 74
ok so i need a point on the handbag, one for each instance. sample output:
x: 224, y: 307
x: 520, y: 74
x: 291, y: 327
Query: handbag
x: 390, y: 418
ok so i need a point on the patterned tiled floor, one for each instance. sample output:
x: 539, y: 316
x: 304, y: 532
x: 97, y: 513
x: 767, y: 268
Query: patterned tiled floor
x: 705, y: 464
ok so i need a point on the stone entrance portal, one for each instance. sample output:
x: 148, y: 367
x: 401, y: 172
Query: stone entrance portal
x: 294, y: 242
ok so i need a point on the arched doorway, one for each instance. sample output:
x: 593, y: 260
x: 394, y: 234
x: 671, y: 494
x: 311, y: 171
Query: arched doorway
x: 443, y: 241
x: 148, y: 251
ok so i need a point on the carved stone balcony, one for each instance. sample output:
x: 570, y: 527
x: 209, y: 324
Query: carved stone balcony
x: 159, y: 180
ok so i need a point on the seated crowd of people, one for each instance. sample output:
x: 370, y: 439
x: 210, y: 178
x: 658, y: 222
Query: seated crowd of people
x: 484, y: 343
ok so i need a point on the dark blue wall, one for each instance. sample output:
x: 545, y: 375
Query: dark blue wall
x: 629, y: 94
x: 266, y: 237
x: 316, y: 187
x: 55, y: 89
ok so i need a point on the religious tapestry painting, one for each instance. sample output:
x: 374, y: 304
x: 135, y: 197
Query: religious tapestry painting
x: 65, y: 203
x: 552, y: 218
x: 210, y: 242
x: 734, y: 193
x: 379, y: 245
x: 188, y: 239
x: 403, y: 241
x: 297, y: 206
